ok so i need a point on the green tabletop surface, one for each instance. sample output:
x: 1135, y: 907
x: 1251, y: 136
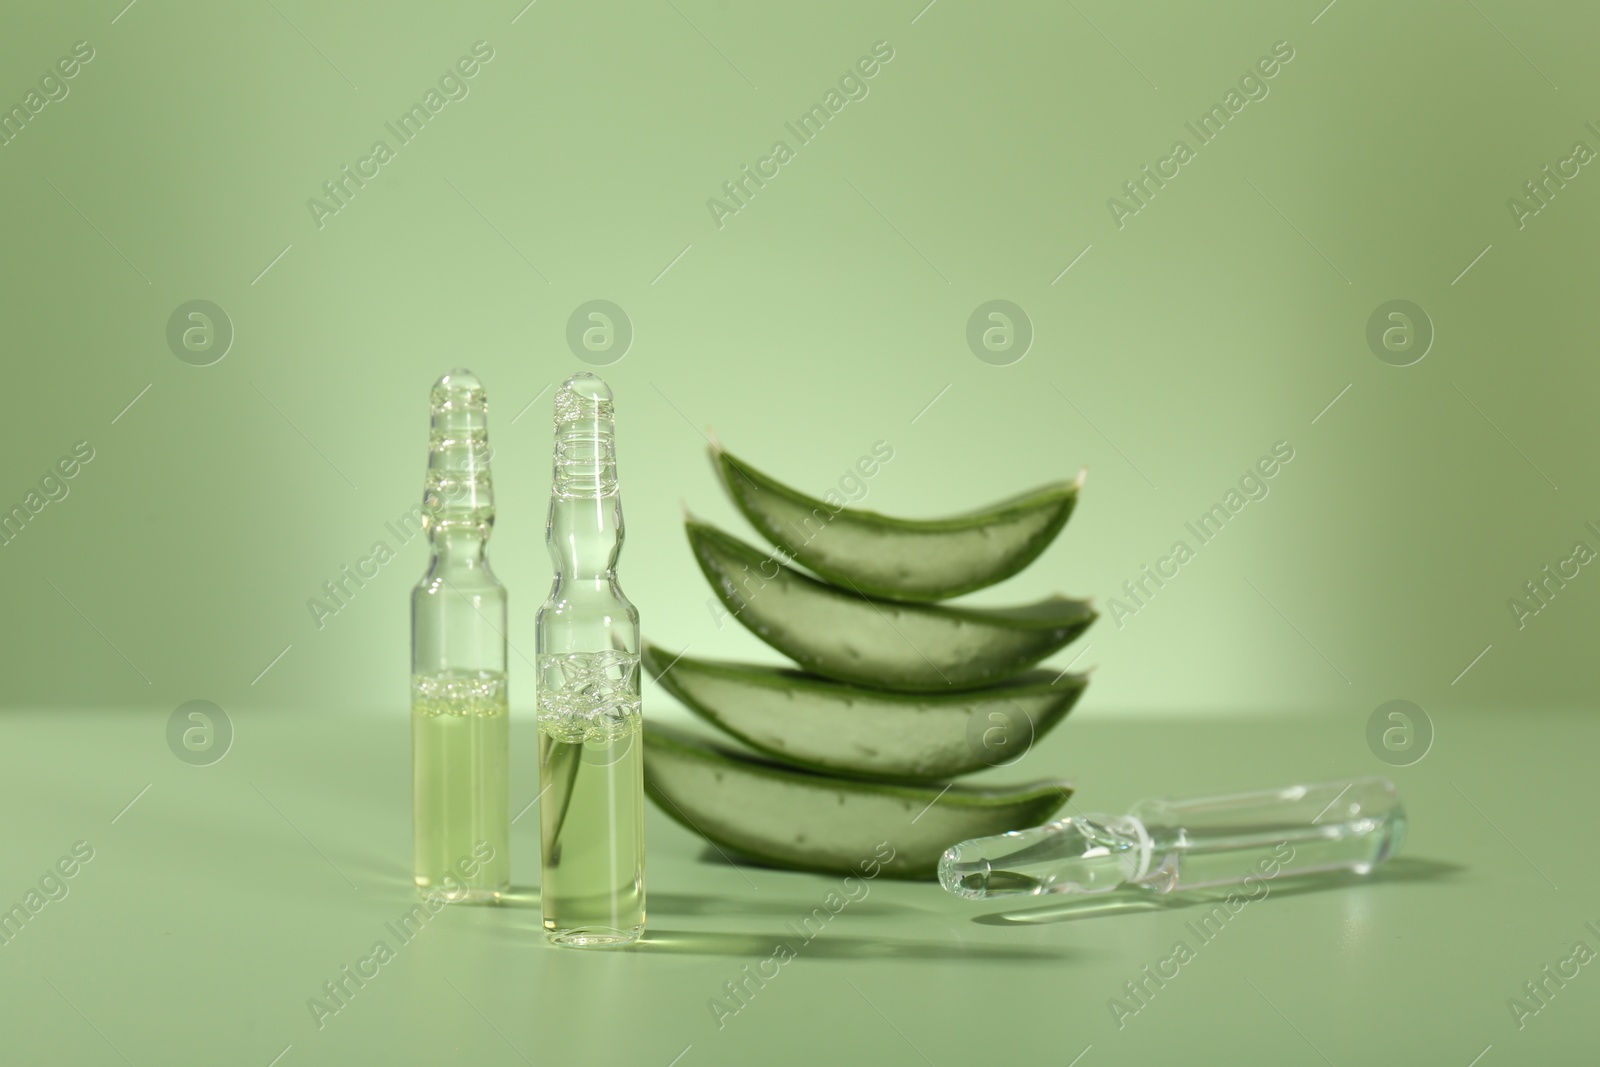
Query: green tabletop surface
x: 220, y: 899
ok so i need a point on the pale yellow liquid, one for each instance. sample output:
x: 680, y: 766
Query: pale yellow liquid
x: 460, y: 740
x: 591, y: 822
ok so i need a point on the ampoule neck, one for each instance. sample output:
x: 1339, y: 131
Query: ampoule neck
x: 460, y: 544
x: 584, y: 536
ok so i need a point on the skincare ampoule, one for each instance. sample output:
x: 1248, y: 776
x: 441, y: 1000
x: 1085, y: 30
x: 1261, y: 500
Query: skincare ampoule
x: 460, y: 726
x: 1163, y: 845
x: 591, y: 752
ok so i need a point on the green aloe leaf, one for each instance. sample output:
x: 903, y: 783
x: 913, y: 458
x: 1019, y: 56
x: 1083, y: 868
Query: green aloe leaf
x: 901, y: 559
x: 811, y: 822
x: 885, y: 644
x: 835, y: 728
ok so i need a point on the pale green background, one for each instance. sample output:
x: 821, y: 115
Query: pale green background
x: 822, y: 318
x: 806, y: 328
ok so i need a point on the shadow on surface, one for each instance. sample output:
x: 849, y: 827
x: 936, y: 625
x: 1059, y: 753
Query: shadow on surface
x: 522, y: 896
x: 828, y: 946
x: 1121, y: 902
x: 701, y: 904
x: 714, y: 856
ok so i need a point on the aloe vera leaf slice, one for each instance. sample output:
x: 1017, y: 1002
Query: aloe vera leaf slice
x: 835, y: 728
x: 884, y: 644
x: 901, y: 559
x: 811, y: 822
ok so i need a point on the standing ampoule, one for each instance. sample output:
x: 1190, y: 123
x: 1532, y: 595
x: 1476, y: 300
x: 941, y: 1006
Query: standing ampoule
x: 591, y: 755
x: 460, y: 725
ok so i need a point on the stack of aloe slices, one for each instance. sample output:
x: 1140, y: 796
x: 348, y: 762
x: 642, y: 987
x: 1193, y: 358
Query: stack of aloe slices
x: 897, y: 693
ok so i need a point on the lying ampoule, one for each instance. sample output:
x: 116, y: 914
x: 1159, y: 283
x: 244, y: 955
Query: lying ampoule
x: 1162, y: 845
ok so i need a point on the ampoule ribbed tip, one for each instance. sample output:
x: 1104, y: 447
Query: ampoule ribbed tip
x: 459, y: 490
x: 459, y: 390
x: 583, y: 396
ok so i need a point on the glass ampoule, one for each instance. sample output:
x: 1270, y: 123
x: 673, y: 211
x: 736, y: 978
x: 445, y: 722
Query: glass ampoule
x: 1162, y: 846
x: 460, y: 725
x: 591, y: 753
